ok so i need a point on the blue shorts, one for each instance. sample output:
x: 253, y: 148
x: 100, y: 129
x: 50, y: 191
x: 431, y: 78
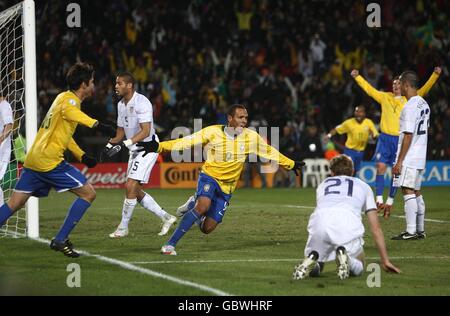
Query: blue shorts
x: 357, y: 157
x: 209, y: 188
x: 63, y: 178
x: 386, y: 149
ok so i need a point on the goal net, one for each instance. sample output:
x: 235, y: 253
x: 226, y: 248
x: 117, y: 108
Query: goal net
x: 13, y: 92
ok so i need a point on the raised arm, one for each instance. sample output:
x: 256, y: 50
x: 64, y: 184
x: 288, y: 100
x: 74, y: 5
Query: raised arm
x: 430, y: 83
x: 367, y: 87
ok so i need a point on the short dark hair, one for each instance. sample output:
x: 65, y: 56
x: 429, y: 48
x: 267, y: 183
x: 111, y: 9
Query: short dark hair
x: 411, y: 78
x: 127, y: 76
x: 361, y: 106
x: 79, y: 73
x: 342, y: 165
x: 232, y: 109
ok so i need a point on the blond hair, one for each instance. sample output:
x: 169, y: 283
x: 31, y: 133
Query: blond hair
x: 342, y: 165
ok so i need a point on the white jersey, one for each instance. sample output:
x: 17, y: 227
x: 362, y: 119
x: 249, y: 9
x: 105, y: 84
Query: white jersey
x: 6, y: 117
x: 415, y: 118
x: 138, y: 110
x: 340, y: 201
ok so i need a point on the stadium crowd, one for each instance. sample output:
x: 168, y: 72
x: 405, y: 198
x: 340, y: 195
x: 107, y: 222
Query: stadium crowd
x: 288, y: 61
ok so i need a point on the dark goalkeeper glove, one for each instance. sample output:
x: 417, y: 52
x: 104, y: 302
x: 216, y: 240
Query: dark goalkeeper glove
x: 106, y: 129
x: 148, y: 147
x: 113, y: 149
x: 89, y: 161
x: 298, y: 167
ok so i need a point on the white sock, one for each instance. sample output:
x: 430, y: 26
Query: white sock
x: 410, y: 212
x: 420, y: 214
x: 380, y: 199
x: 127, y: 212
x: 1, y: 197
x: 356, y: 266
x: 150, y: 204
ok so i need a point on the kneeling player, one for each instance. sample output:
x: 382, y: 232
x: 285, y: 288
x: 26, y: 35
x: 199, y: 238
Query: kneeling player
x: 335, y: 227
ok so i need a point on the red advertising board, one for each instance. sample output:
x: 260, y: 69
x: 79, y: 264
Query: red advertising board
x: 114, y: 175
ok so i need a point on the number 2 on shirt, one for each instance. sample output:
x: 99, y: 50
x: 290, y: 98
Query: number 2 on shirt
x: 337, y: 183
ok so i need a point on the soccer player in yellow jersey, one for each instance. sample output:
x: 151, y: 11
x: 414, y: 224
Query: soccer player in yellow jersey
x: 391, y: 106
x: 358, y: 130
x: 45, y: 167
x: 228, y: 147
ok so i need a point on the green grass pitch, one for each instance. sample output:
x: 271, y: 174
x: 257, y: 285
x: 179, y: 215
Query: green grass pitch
x: 252, y: 252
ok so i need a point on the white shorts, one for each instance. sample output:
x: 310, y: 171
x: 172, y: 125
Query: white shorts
x: 327, y: 249
x: 329, y: 229
x: 139, y: 168
x: 409, y: 178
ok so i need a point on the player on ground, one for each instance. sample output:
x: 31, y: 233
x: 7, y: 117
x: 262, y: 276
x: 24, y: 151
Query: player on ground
x: 335, y: 227
x: 6, y: 125
x: 45, y: 167
x: 358, y: 130
x: 411, y: 156
x: 391, y: 104
x: 228, y: 147
x: 135, y: 123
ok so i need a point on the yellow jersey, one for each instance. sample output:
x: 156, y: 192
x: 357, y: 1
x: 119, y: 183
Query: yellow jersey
x: 357, y: 133
x: 55, y: 134
x: 226, y: 154
x: 391, y: 106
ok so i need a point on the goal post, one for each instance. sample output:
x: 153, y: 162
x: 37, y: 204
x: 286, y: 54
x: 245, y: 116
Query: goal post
x: 18, y: 88
x: 29, y: 31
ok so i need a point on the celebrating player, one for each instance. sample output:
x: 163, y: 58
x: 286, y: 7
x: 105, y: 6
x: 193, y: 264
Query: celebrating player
x: 6, y: 124
x: 411, y: 156
x: 228, y: 147
x: 392, y: 104
x: 335, y: 227
x: 45, y: 167
x: 358, y: 130
x: 135, y: 122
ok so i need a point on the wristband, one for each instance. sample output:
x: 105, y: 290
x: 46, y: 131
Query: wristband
x: 128, y: 142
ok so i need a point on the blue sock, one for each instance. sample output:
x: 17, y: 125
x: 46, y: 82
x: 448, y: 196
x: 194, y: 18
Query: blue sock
x: 392, y: 190
x: 379, y: 184
x: 186, y: 223
x: 74, y: 215
x: 5, y: 213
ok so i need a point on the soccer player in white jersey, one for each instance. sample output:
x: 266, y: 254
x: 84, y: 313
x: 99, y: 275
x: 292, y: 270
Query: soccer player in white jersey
x: 335, y: 227
x: 411, y: 156
x: 6, y: 125
x: 135, y: 123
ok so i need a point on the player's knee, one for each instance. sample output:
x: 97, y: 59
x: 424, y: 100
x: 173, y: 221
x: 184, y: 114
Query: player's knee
x: 207, y: 229
x: 132, y: 187
x: 90, y: 195
x: 201, y: 208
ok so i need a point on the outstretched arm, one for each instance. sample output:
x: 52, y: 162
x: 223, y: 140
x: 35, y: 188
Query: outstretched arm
x: 260, y: 147
x: 378, y: 237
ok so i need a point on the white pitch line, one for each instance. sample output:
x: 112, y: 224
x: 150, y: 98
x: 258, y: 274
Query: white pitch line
x: 426, y: 219
x: 279, y: 260
x: 130, y: 266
